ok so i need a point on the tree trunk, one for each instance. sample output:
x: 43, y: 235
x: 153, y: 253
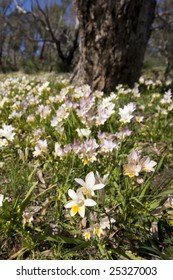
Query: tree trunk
x: 113, y: 39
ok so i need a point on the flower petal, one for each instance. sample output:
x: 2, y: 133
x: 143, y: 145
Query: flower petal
x: 80, y: 195
x: 98, y: 186
x: 72, y: 194
x: 1, y: 199
x: 81, y: 211
x: 80, y: 182
x: 90, y: 179
x: 70, y: 204
x: 90, y: 202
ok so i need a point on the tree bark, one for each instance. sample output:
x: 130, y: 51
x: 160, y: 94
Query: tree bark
x: 113, y: 38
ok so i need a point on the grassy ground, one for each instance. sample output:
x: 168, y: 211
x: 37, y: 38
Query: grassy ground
x: 84, y: 176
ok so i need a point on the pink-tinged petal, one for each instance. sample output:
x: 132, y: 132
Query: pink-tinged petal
x: 80, y: 182
x: 70, y: 204
x: 81, y: 211
x: 98, y: 186
x: 153, y: 163
x: 90, y: 179
x: 80, y: 196
x: 133, y: 157
x: 90, y: 202
x: 81, y: 190
x: 144, y: 160
x: 72, y: 194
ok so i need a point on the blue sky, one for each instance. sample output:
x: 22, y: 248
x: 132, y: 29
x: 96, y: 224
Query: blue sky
x: 27, y: 3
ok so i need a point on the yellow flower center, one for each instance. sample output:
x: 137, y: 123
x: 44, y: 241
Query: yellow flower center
x: 87, y: 235
x: 75, y: 209
x: 97, y: 231
x: 87, y: 192
x: 131, y: 175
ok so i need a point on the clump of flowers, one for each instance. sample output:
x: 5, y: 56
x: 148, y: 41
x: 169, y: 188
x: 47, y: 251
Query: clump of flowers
x: 7, y: 131
x: 83, y: 132
x: 167, y: 98
x: 126, y: 112
x: 40, y: 148
x: 137, y: 165
x: 98, y: 229
x: 79, y: 201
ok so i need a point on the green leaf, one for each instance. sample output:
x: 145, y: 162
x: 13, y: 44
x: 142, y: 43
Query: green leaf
x: 63, y: 239
x: 145, y: 188
x: 27, y: 197
x: 119, y: 192
x: 159, y: 165
x: 165, y: 193
x: 84, y: 244
x: 156, y: 204
x: 31, y: 174
x: 132, y: 256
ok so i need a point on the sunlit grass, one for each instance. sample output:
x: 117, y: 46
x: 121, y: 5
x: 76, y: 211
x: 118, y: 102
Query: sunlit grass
x: 114, y: 150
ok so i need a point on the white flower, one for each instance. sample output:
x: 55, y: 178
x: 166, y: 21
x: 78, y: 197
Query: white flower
x: 141, y: 80
x: 58, y: 150
x: 131, y: 169
x: 107, y: 146
x: 170, y: 107
x: 15, y: 114
x: 83, y: 132
x: 139, y: 119
x: 1, y: 164
x: 105, y: 222
x: 131, y: 107
x: 27, y: 217
x: 37, y: 152
x: 43, y: 111
x: 42, y: 144
x: 102, y: 180
x: 123, y: 134
x: 104, y: 110
x: 7, y: 132
x: 136, y: 164
x: 167, y: 98
x: 126, y: 112
x: 78, y: 203
x: 40, y: 148
x: 54, y: 121
x: 134, y: 157
x: 1, y: 199
x: 89, y: 186
x: 30, y: 118
x: 98, y: 230
x: 3, y: 142
x: 87, y: 234
x: 147, y: 164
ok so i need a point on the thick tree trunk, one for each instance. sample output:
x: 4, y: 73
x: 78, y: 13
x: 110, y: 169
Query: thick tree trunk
x: 113, y: 39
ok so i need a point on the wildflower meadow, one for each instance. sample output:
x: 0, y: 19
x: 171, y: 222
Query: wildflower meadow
x: 85, y: 175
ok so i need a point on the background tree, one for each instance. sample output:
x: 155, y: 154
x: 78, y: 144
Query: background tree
x: 5, y: 11
x: 42, y: 35
x: 38, y: 36
x: 160, y: 51
x: 113, y: 40
x: 49, y: 17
